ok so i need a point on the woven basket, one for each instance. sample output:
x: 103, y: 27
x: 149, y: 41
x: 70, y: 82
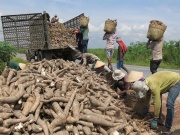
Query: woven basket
x: 140, y: 106
x: 84, y: 21
x: 110, y: 26
x: 156, y: 30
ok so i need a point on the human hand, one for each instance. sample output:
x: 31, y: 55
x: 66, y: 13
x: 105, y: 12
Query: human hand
x: 153, y: 124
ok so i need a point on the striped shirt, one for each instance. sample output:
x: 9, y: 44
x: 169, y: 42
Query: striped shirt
x: 110, y: 39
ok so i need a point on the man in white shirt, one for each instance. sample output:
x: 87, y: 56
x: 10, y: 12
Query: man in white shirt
x: 156, y: 47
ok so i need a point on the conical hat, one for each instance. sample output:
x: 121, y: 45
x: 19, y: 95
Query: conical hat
x: 99, y: 64
x: 133, y: 76
x: 22, y: 65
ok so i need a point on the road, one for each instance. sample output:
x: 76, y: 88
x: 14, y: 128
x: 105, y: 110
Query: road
x: 145, y: 70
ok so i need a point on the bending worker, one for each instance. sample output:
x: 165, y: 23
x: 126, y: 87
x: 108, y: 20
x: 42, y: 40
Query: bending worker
x: 16, y: 66
x: 157, y: 84
x: 89, y: 58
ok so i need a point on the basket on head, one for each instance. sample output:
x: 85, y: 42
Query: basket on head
x: 156, y: 30
x: 84, y: 21
x: 110, y: 26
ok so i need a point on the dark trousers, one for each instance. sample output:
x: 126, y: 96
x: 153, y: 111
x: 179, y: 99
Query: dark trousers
x: 80, y: 46
x: 154, y: 64
x: 85, y: 45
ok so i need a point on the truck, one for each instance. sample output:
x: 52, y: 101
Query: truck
x: 33, y: 33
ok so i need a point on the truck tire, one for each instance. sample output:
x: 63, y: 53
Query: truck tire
x: 39, y: 56
x: 27, y: 56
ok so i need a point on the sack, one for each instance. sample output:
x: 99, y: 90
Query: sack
x: 84, y: 21
x: 156, y: 30
x: 140, y: 106
x: 123, y: 46
x: 110, y: 26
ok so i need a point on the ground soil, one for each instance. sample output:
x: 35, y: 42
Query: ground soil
x: 176, y: 121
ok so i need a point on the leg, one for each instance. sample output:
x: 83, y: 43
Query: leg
x: 125, y: 69
x: 110, y: 58
x: 154, y: 64
x: 80, y: 46
x: 85, y: 44
x: 173, y: 94
x: 110, y: 64
x: 119, y: 64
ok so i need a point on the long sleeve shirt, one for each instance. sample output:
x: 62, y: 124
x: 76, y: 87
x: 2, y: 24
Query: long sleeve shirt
x: 85, y: 32
x: 160, y: 83
x: 110, y: 39
x: 89, y: 58
x: 13, y: 65
x: 156, y: 47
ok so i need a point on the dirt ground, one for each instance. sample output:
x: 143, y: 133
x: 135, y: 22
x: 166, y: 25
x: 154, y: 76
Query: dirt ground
x: 176, y: 121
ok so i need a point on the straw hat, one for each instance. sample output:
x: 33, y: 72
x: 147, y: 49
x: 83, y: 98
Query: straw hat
x: 133, y: 76
x: 118, y: 39
x: 99, y: 64
x: 118, y: 74
x: 22, y: 66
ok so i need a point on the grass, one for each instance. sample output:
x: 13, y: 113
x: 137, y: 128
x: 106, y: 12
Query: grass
x: 19, y: 60
x: 101, y: 53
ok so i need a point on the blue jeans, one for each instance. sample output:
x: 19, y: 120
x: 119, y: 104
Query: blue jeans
x: 173, y: 94
x: 119, y: 64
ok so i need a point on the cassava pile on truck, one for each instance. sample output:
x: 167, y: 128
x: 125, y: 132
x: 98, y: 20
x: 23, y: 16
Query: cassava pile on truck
x: 54, y: 97
x: 60, y: 36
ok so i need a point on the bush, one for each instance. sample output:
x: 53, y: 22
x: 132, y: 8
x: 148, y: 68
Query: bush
x: 7, y: 52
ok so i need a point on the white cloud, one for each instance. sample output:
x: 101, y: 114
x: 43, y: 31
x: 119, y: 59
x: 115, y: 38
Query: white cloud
x: 93, y: 28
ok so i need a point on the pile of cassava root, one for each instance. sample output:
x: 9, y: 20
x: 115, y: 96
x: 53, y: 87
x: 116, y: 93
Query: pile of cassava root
x: 60, y: 97
x: 60, y: 37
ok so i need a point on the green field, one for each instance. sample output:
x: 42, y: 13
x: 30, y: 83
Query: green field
x: 139, y: 55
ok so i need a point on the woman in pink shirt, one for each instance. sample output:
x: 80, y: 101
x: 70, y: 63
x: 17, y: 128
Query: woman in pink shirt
x: 110, y: 39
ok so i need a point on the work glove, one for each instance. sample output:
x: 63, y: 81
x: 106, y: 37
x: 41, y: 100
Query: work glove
x: 154, y: 124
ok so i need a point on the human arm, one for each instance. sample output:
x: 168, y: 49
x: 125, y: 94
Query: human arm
x: 84, y: 61
x: 148, y: 44
x: 157, y: 103
x: 104, y: 36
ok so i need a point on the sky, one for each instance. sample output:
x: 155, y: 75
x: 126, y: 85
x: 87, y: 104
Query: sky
x: 133, y: 16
